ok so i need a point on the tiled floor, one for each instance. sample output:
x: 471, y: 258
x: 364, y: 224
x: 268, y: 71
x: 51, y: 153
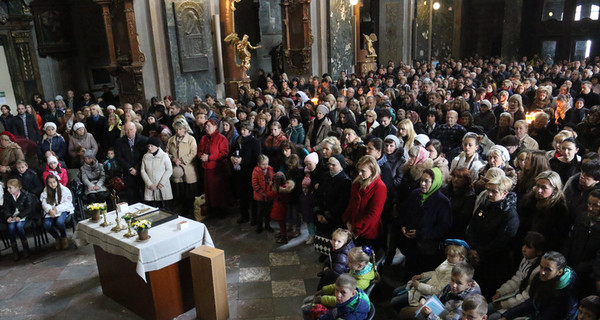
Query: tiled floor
x: 265, y: 280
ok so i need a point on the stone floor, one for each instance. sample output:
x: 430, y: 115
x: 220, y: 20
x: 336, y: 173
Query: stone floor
x: 265, y: 280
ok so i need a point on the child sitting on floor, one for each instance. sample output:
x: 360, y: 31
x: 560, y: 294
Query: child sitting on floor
x: 432, y: 282
x: 589, y: 308
x: 337, y: 260
x: 461, y: 286
x: 474, y: 307
x: 516, y: 290
x: 351, y: 302
x: 360, y: 269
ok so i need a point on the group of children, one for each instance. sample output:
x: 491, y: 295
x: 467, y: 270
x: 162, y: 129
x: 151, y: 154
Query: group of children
x: 543, y: 286
x: 273, y: 194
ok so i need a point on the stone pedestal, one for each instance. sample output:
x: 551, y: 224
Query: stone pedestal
x: 232, y: 87
x: 366, y: 65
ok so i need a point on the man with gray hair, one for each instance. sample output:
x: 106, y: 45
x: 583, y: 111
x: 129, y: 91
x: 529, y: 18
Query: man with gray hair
x: 129, y: 150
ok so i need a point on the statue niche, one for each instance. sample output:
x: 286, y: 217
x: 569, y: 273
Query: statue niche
x: 189, y: 17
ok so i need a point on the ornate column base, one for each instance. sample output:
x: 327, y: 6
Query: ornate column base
x: 232, y: 88
x: 364, y: 66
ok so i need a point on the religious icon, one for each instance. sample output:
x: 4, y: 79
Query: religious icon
x: 369, y: 39
x: 241, y: 47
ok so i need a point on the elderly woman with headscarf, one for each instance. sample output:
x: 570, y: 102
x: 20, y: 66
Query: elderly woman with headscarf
x: 10, y: 152
x: 52, y: 141
x: 498, y: 157
x: 213, y: 151
x: 81, y: 141
x: 182, y: 149
x: 417, y: 162
x: 319, y: 128
x: 423, y: 224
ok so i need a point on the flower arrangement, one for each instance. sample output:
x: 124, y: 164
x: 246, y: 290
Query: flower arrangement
x: 96, y: 206
x: 141, y: 225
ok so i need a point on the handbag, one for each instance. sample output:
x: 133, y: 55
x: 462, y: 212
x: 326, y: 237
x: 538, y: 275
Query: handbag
x: 322, y: 244
x: 117, y: 183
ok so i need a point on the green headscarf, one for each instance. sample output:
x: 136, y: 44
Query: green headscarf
x: 435, y: 185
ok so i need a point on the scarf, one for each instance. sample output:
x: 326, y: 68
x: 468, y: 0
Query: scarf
x: 435, y: 185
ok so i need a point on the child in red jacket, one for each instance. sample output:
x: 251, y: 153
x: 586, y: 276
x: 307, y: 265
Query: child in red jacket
x: 262, y: 178
x: 280, y: 194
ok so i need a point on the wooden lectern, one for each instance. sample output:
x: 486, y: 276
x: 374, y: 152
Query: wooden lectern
x: 210, y: 283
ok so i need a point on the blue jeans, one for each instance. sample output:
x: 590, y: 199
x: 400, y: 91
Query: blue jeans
x: 15, y: 228
x: 59, y: 223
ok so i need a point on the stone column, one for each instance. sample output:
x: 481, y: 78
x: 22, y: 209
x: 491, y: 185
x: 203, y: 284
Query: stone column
x: 511, y: 29
x: 105, y: 4
x: 341, y: 37
x: 395, y: 30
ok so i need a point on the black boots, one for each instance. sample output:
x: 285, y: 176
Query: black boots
x: 15, y: 250
x: 25, y: 245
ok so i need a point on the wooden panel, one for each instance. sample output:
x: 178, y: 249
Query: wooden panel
x: 167, y: 294
x: 210, y: 283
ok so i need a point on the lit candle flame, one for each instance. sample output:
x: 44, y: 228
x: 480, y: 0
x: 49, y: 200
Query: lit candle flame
x: 530, y: 116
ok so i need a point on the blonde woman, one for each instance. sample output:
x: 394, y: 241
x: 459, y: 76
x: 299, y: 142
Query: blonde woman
x: 182, y: 149
x: 406, y: 133
x: 367, y: 199
x: 370, y: 123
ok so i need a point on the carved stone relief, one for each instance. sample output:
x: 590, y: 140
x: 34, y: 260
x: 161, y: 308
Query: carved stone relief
x: 190, y: 36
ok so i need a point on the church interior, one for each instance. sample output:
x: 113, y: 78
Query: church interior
x: 136, y: 52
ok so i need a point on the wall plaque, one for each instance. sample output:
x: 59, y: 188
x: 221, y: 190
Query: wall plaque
x: 191, y: 37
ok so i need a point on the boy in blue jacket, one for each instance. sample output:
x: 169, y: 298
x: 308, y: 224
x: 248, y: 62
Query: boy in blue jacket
x: 352, y: 303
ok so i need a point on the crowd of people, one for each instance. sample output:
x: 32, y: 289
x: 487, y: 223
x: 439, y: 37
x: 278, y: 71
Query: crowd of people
x: 402, y: 157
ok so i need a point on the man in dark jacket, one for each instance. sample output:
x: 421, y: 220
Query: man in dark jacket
x: 332, y: 196
x: 129, y: 151
x: 578, y: 187
x: 29, y: 179
x: 24, y: 124
x: 244, y: 155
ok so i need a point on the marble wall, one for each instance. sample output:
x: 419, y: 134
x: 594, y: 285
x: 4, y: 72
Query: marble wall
x: 395, y: 30
x: 269, y: 19
x: 511, y: 33
x: 341, y: 51
x: 443, y: 30
x: 189, y: 84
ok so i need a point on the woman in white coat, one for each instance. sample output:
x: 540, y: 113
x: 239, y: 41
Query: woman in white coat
x: 57, y: 204
x: 156, y: 171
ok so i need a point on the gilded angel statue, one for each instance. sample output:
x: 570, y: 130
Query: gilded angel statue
x: 241, y: 46
x: 369, y: 39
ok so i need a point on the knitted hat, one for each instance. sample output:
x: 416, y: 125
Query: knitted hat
x: 279, y: 178
x: 422, y: 139
x: 312, y: 157
x: 323, y: 109
x: 391, y: 137
x: 58, y: 97
x: 486, y: 102
x: 52, y: 159
x: 49, y: 125
x: 154, y: 141
x: 89, y: 154
x: 8, y: 134
x: 78, y: 125
x: 306, y: 181
x: 502, y: 151
x: 111, y: 107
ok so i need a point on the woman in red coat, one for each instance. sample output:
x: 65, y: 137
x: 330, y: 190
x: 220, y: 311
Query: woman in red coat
x: 212, y: 151
x: 367, y: 199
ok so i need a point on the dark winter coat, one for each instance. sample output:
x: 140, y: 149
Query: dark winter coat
x: 582, y: 248
x: 432, y: 221
x: 30, y: 181
x: 492, y: 226
x: 332, y: 197
x: 56, y: 144
x: 27, y: 203
x: 552, y: 222
x: 337, y: 261
x: 462, y: 202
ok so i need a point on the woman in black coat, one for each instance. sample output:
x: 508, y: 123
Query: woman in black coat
x: 332, y: 196
x: 493, y: 225
x: 544, y: 210
x: 20, y: 209
x: 423, y: 224
x: 244, y: 155
x: 462, y: 197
